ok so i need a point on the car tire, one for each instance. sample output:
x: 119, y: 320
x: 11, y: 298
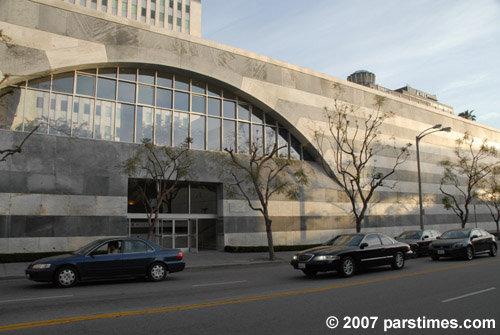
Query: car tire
x: 469, y: 253
x: 310, y: 273
x: 347, y: 267
x: 435, y: 257
x: 157, y: 272
x: 65, y: 276
x: 493, y: 250
x: 398, y: 261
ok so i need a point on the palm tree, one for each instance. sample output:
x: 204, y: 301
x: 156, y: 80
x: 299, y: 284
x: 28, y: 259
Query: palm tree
x: 468, y: 115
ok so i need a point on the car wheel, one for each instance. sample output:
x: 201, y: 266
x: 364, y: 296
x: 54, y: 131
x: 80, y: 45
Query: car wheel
x: 469, y: 253
x: 65, y: 277
x: 435, y: 258
x: 398, y: 262
x: 493, y: 250
x: 347, y: 267
x: 157, y: 272
x: 310, y: 273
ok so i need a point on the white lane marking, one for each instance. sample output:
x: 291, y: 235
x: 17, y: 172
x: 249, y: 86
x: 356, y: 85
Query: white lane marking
x: 42, y: 298
x: 225, y: 283
x: 468, y: 295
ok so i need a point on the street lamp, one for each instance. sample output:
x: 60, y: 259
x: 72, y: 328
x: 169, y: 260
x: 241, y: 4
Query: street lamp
x: 434, y: 129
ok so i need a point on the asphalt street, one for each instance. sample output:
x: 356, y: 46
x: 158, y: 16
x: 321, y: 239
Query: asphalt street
x: 267, y: 299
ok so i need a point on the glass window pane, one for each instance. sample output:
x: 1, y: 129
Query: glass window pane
x: 164, y: 79
x: 12, y: 113
x: 63, y: 82
x: 108, y: 72
x: 229, y: 136
x: 270, y: 121
x: 258, y: 138
x: 295, y: 148
x: 181, y: 83
x: 214, y: 132
x: 198, y: 104
x: 163, y: 98
x: 243, y: 112
x: 104, y: 120
x: 106, y: 88
x: 83, y: 109
x: 181, y: 126
x: 229, y: 95
x: 198, y: 132
x: 257, y: 115
x: 36, y: 111
x: 89, y: 71
x: 126, y: 92
x: 146, y: 76
x: 214, y: 91
x: 204, y: 199
x: 244, y: 138
x: 40, y: 83
x: 163, y: 127
x: 198, y: 87
x: 125, y: 123
x: 213, y: 107
x: 128, y: 74
x: 283, y: 142
x: 181, y: 101
x: 146, y: 95
x: 85, y: 85
x: 270, y: 139
x: 229, y: 109
x: 144, y: 124
x: 60, y: 114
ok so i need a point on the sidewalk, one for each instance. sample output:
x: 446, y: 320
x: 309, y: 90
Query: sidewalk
x: 199, y: 261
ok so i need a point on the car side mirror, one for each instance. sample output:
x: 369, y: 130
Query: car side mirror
x: 425, y: 237
x: 474, y: 237
x: 438, y: 238
x: 363, y: 245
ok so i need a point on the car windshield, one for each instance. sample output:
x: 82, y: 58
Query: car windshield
x: 411, y: 235
x: 464, y: 233
x: 345, y: 240
x: 88, y: 247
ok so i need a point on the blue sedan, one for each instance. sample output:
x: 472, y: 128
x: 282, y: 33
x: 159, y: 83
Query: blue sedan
x: 108, y: 258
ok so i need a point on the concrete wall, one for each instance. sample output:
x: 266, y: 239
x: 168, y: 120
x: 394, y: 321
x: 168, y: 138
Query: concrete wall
x: 43, y: 191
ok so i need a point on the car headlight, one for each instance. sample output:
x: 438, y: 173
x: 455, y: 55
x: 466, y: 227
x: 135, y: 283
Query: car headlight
x: 295, y: 258
x: 326, y: 258
x: 41, y: 266
x: 459, y: 245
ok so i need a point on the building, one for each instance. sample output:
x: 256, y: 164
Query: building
x: 101, y: 83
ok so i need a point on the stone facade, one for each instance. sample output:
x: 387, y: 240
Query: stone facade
x: 62, y: 191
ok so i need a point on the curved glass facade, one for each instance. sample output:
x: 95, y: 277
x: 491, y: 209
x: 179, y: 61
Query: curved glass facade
x: 131, y: 104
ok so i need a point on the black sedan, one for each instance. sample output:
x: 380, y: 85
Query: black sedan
x: 464, y: 243
x: 346, y: 253
x: 108, y: 258
x: 418, y: 240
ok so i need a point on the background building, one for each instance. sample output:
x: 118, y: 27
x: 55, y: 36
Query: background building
x: 101, y: 83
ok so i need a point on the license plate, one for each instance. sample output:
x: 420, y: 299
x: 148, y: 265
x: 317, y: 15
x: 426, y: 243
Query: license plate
x: 440, y: 252
x: 302, y: 265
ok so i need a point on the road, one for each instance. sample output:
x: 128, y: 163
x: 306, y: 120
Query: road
x: 266, y: 299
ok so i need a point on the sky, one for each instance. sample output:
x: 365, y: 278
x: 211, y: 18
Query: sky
x: 450, y: 48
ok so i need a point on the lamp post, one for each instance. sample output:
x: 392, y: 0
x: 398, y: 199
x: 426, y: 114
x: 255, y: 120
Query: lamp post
x: 436, y: 128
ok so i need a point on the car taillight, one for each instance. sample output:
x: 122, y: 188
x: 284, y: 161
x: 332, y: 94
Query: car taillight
x: 180, y: 255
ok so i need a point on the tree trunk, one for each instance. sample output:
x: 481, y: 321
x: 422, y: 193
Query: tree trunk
x: 270, y: 238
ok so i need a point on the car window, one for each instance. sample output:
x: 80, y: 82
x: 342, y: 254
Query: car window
x: 136, y: 246
x: 372, y: 240
x: 112, y: 247
x: 475, y: 232
x: 386, y: 240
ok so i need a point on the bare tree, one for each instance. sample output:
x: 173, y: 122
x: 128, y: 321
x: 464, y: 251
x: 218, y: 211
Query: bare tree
x: 264, y: 174
x: 464, y: 175
x: 349, y: 147
x: 163, y: 168
x: 4, y: 153
x: 491, y: 196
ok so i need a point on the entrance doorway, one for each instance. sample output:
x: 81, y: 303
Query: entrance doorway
x: 190, y: 234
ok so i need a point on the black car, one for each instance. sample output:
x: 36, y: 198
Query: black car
x: 464, y: 243
x: 418, y: 240
x: 346, y: 253
x: 108, y: 258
